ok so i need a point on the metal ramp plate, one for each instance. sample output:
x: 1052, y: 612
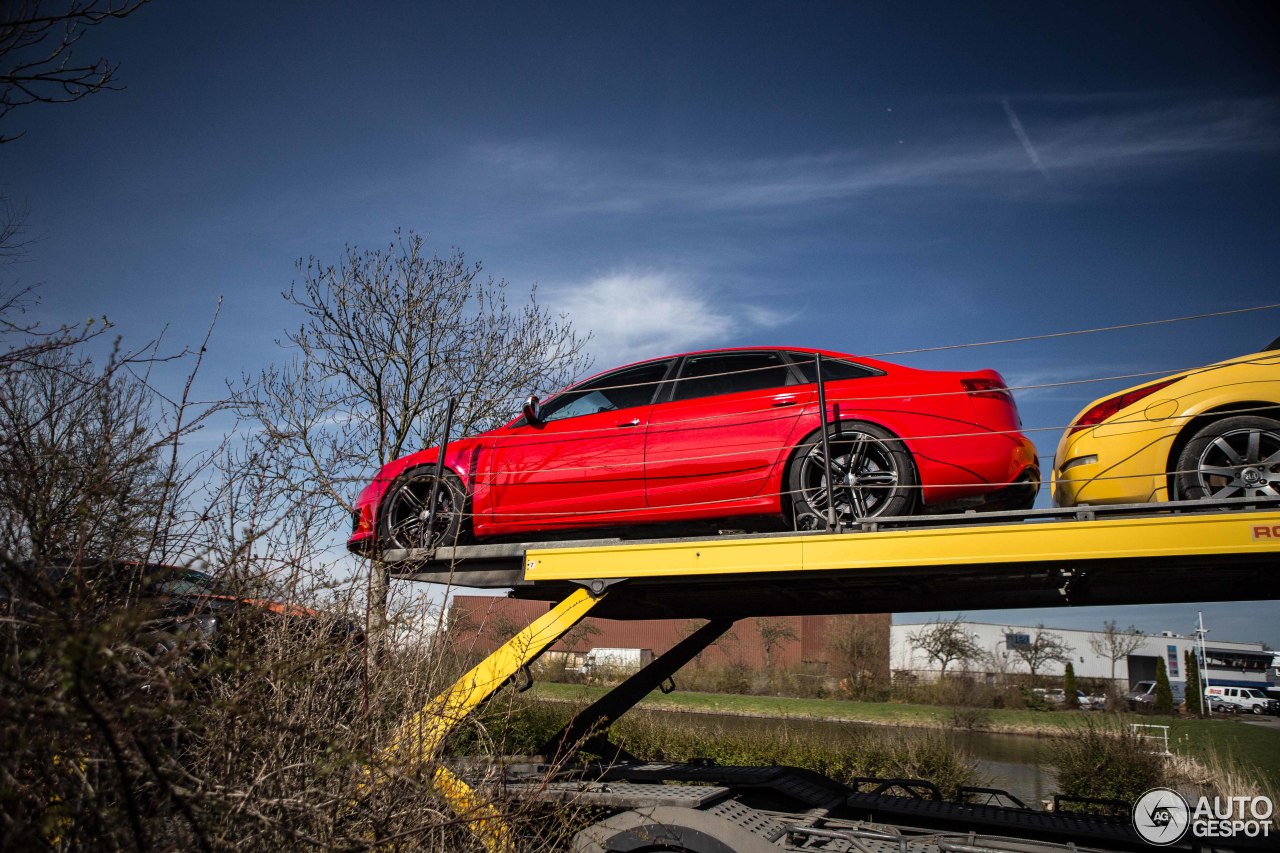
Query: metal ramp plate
x: 621, y: 794
x: 804, y: 786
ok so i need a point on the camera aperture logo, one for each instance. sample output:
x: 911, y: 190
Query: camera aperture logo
x: 1162, y: 816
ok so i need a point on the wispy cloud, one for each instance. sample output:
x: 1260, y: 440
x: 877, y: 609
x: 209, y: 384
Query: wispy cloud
x: 639, y: 313
x: 1021, y: 133
x: 1081, y: 143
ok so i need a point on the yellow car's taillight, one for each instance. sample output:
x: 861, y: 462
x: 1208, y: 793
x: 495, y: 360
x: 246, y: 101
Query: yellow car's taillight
x: 1100, y: 412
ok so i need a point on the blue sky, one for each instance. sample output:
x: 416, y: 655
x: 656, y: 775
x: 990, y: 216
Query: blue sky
x: 865, y: 177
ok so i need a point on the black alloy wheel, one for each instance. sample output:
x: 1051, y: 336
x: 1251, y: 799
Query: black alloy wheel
x: 871, y: 475
x: 406, y: 512
x: 1236, y: 457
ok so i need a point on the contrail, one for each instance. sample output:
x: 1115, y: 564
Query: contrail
x: 1016, y: 124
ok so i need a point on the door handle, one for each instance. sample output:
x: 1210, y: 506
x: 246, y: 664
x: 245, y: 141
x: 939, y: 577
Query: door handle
x: 630, y: 423
x: 786, y: 400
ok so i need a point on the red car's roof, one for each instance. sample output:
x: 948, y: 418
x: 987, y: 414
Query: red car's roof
x: 809, y: 350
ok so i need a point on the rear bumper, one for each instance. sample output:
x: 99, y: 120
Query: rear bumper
x: 1089, y: 469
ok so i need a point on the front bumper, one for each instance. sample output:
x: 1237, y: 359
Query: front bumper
x: 363, y: 521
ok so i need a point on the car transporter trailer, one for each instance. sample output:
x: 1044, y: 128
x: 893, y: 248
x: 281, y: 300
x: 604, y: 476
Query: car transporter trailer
x: 1176, y: 552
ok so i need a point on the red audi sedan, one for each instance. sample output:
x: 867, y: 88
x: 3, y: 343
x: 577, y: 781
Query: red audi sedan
x: 713, y: 440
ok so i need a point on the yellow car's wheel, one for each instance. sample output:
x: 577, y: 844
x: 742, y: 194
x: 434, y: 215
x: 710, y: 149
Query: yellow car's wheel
x: 1235, y: 457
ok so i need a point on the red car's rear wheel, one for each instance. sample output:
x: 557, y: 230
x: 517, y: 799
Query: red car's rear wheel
x: 872, y: 475
x: 406, y: 514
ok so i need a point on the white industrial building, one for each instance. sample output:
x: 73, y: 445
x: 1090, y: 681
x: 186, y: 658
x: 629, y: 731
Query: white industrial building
x: 1229, y: 663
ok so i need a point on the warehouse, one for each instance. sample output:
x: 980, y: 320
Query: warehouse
x: 993, y: 651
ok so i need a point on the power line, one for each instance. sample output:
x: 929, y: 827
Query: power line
x: 1052, y: 335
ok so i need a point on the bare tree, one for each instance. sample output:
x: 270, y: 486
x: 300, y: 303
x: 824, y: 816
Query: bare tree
x: 860, y: 652
x: 22, y: 342
x: 1115, y: 643
x: 13, y: 230
x: 389, y: 336
x: 38, y: 64
x: 945, y: 643
x: 773, y: 633
x: 579, y: 635
x: 80, y: 472
x: 1042, y: 648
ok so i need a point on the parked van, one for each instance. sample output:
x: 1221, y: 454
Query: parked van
x: 1249, y: 699
x: 1142, y: 693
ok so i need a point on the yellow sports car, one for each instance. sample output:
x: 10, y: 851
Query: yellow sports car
x: 1212, y: 432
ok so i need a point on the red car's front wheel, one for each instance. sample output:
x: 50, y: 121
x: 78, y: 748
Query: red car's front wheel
x: 406, y: 520
x: 872, y: 474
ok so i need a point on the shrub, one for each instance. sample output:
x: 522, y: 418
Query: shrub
x: 1193, y: 700
x: 1106, y: 762
x: 970, y: 719
x: 1164, y: 694
x: 1031, y: 700
x: 1069, y: 698
x: 267, y: 738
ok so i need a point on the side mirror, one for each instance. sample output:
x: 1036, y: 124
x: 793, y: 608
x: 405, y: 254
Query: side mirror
x: 530, y: 409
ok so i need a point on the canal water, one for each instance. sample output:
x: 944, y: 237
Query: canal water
x: 1019, y: 764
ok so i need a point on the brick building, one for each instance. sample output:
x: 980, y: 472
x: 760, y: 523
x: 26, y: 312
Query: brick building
x: 479, y: 624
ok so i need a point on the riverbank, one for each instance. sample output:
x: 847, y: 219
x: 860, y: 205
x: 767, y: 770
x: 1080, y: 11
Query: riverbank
x: 999, y: 721
x: 1225, y: 741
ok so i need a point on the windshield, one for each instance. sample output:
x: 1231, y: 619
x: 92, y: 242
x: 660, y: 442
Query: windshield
x: 187, y: 582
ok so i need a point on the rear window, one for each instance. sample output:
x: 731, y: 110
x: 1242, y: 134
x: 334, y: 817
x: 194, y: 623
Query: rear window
x: 730, y: 373
x: 833, y: 369
x: 188, y: 582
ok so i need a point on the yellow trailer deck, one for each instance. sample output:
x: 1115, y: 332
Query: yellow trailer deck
x: 1189, y: 551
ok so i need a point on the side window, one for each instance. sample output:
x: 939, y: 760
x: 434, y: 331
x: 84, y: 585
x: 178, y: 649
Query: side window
x: 730, y: 373
x: 832, y: 368
x: 622, y: 389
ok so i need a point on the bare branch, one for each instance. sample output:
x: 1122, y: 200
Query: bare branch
x: 946, y: 643
x: 1044, y: 647
x: 37, y: 52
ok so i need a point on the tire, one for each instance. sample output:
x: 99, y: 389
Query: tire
x: 872, y: 471
x: 1257, y: 710
x: 1235, y: 457
x: 403, y: 517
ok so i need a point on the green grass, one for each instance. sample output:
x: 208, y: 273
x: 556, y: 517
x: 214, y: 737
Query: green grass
x: 883, y: 713
x: 1230, y: 740
x: 521, y: 727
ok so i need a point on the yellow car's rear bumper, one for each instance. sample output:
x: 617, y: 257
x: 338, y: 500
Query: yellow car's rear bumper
x: 1114, y: 463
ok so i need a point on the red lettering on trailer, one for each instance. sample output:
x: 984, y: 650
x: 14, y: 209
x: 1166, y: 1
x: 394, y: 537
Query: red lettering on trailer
x: 1262, y: 531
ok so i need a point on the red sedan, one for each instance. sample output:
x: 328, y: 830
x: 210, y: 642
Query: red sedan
x: 709, y: 440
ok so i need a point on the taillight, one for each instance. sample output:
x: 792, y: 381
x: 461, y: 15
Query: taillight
x: 992, y: 389
x: 1099, y: 413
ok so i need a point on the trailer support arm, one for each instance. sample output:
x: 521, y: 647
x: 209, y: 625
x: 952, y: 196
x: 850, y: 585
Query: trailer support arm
x: 419, y: 739
x: 609, y: 707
